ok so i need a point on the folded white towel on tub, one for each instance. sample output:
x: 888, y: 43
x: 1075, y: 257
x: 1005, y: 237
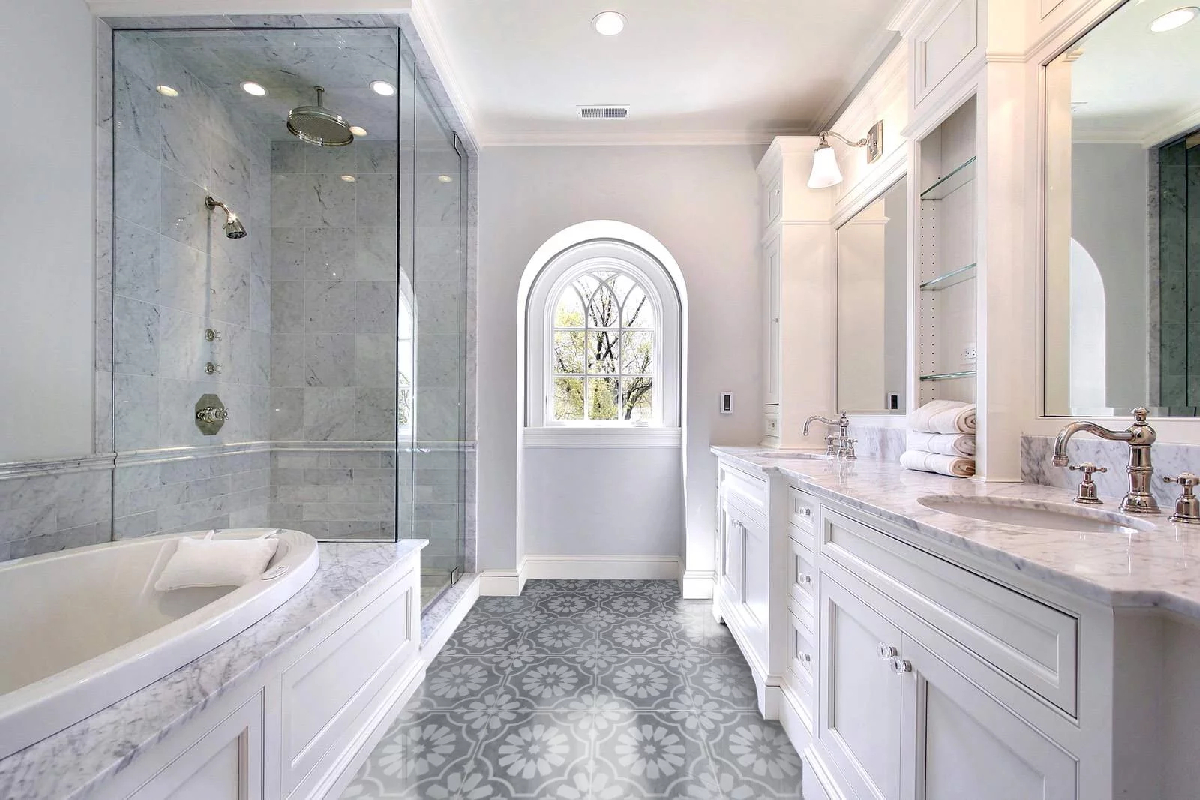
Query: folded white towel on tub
x: 217, y: 562
x: 947, y: 444
x: 954, y: 466
x: 943, y: 416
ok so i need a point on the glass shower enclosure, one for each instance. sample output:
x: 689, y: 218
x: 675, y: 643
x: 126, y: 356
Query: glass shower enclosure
x: 288, y: 309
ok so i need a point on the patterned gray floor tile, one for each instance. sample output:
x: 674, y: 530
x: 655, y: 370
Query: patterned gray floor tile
x: 584, y: 690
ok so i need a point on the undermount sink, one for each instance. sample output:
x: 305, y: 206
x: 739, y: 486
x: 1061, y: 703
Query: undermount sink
x: 791, y: 455
x: 1035, y: 514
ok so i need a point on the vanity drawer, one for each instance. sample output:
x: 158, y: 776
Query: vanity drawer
x: 802, y: 509
x: 1028, y: 641
x: 802, y: 654
x: 802, y: 583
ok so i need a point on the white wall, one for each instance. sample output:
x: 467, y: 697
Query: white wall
x: 46, y: 225
x: 1109, y: 202
x: 700, y: 202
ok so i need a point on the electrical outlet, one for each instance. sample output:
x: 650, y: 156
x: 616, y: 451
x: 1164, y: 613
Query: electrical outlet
x: 970, y: 354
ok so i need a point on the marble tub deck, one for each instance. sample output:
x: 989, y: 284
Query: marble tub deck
x: 1154, y: 568
x: 74, y: 763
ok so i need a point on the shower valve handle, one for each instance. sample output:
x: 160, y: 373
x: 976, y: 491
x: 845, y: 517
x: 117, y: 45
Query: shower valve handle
x: 212, y: 414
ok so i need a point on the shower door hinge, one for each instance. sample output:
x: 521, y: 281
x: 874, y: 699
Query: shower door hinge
x: 455, y: 574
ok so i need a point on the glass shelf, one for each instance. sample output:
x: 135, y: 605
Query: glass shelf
x: 957, y: 178
x: 948, y: 376
x: 952, y: 278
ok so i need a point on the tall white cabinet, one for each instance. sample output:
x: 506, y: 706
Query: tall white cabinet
x: 799, y: 294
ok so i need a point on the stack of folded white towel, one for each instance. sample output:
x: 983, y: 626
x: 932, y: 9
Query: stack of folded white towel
x: 941, y: 438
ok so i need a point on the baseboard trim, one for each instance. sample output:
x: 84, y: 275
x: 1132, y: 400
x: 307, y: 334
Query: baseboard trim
x: 600, y: 568
x: 698, y: 584
x: 500, y: 583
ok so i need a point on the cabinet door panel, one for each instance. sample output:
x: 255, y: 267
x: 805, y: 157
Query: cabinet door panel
x: 771, y: 316
x: 860, y: 716
x: 968, y: 745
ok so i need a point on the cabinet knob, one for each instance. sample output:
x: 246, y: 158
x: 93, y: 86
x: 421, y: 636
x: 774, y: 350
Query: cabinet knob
x: 887, y: 651
x: 806, y: 658
x: 806, y: 579
x: 902, y: 665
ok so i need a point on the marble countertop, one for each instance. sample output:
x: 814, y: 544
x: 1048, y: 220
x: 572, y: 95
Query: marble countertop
x: 1153, y: 568
x: 73, y: 763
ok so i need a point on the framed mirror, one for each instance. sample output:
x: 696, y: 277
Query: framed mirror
x: 1122, y: 216
x: 872, y: 292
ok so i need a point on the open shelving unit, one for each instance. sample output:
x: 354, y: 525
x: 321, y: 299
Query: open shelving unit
x: 946, y: 269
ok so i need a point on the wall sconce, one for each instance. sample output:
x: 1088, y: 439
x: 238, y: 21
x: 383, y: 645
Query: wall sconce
x: 825, y: 172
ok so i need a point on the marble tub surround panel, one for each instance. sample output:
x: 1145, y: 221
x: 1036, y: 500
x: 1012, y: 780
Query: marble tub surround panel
x: 172, y: 494
x: 65, y: 504
x: 348, y: 493
x: 74, y: 763
x: 1169, y: 460
x: 334, y: 292
x: 1156, y: 568
x: 174, y: 272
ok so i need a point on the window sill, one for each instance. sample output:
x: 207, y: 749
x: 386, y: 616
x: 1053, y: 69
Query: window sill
x: 566, y: 436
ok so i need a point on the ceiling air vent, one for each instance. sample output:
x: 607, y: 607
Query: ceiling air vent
x: 603, y: 112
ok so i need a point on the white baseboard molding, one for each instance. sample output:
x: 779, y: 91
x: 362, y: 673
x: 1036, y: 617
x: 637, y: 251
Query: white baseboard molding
x: 500, y: 583
x: 697, y: 584
x: 449, y: 623
x: 600, y: 568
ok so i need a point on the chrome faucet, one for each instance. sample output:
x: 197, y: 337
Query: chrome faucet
x: 1139, y: 436
x: 840, y: 445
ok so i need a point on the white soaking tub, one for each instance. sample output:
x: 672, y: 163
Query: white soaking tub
x: 81, y: 629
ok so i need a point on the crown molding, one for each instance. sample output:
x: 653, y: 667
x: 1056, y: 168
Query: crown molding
x: 191, y: 8
x: 429, y: 31
x: 613, y: 138
x: 871, y: 55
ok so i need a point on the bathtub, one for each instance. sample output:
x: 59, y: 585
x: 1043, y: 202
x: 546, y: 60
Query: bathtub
x: 81, y: 629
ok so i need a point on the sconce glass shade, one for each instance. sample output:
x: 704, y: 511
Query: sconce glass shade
x: 825, y: 172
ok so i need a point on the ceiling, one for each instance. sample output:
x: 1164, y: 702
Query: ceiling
x: 689, y: 70
x: 1130, y: 84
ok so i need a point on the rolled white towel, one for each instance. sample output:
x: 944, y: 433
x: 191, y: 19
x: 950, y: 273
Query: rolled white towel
x: 943, y: 416
x: 947, y: 444
x: 954, y: 466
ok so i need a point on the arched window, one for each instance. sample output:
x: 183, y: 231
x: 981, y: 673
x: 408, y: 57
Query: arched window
x: 603, y: 340
x: 603, y: 347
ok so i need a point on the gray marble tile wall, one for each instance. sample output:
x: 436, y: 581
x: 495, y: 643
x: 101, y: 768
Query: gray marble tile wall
x: 46, y: 510
x: 348, y: 493
x: 878, y: 443
x: 333, y: 292
x: 228, y: 489
x: 175, y: 273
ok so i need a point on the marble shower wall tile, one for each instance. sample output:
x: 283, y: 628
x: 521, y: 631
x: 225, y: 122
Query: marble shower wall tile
x: 42, y: 512
x: 347, y: 493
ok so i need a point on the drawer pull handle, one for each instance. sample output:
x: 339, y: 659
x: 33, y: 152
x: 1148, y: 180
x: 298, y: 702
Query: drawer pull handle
x: 807, y: 579
x: 902, y: 665
x: 806, y: 512
x: 806, y: 658
x: 887, y: 651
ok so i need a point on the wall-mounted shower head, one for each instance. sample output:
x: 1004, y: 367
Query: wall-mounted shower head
x: 234, y: 228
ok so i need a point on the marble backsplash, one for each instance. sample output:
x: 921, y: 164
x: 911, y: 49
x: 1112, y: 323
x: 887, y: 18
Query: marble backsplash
x: 878, y: 444
x: 1169, y: 460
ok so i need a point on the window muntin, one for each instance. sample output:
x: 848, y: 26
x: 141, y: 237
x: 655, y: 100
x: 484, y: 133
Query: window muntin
x: 603, y: 350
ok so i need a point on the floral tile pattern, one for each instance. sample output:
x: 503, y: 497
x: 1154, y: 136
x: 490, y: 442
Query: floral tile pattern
x: 584, y: 690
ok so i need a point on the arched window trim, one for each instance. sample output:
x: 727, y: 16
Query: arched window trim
x: 563, y: 268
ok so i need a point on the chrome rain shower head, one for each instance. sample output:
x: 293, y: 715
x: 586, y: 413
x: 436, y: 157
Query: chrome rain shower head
x: 234, y: 228
x: 318, y: 125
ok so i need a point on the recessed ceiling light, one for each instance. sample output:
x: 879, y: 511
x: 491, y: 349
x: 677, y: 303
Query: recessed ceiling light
x: 358, y: 131
x: 383, y: 87
x: 167, y: 91
x: 256, y: 89
x: 608, y: 23
x: 1174, y: 19
x: 445, y: 179
x: 349, y: 178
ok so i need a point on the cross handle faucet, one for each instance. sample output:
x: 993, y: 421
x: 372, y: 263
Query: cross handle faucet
x: 836, y: 445
x: 1139, y: 436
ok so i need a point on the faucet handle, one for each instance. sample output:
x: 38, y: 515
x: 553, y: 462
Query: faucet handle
x: 1187, y: 507
x: 1087, y: 490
